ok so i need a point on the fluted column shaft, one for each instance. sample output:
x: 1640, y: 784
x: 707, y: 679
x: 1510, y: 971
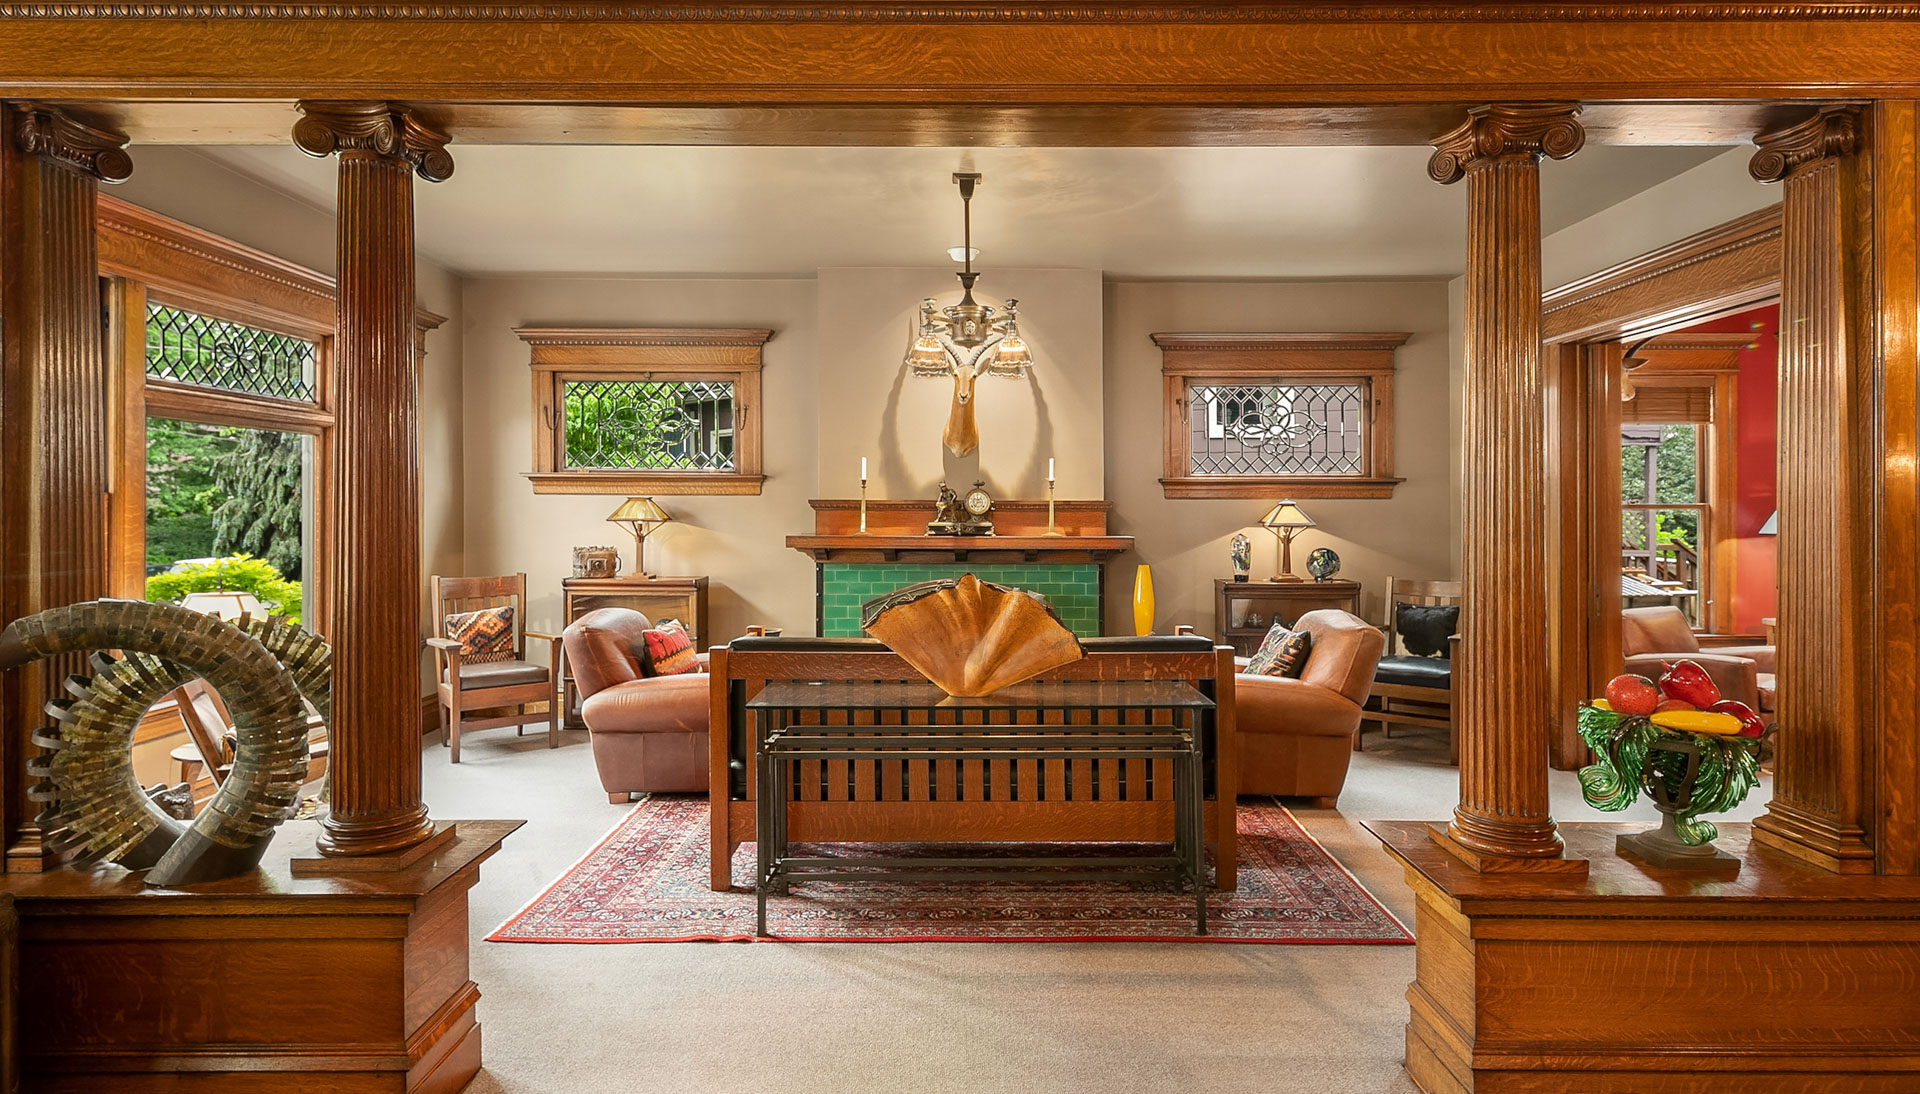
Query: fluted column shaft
x: 374, y: 760
x: 1825, y: 420
x: 1503, y: 695
x: 53, y: 527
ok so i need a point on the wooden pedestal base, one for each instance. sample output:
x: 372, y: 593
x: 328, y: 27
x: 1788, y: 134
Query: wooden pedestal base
x: 1640, y: 980
x: 1481, y: 862
x: 444, y: 834
x: 270, y: 982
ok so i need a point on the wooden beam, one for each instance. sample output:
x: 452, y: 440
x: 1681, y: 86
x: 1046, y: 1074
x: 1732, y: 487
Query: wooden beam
x: 1502, y: 822
x: 53, y: 420
x: 1820, y: 806
x: 377, y: 808
x: 1893, y: 135
x: 958, y: 54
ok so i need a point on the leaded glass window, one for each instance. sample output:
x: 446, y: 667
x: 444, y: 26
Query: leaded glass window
x: 199, y: 349
x: 650, y: 425
x: 1271, y: 428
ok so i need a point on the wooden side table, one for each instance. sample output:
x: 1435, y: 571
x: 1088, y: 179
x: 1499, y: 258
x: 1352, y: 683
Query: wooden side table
x: 682, y: 598
x: 1237, y: 604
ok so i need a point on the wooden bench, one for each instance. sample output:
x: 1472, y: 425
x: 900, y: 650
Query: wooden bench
x: 889, y: 801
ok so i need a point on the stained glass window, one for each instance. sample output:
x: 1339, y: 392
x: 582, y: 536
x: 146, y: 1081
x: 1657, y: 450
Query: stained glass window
x: 1262, y: 428
x: 198, y: 349
x: 652, y: 425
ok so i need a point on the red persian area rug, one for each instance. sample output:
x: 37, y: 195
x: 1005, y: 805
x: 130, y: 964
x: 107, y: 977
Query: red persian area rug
x: 647, y: 882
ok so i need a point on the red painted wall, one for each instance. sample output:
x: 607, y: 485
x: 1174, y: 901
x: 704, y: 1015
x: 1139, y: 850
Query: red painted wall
x: 1756, y: 561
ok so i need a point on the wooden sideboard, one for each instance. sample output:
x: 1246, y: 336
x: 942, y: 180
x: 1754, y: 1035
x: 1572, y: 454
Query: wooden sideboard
x: 682, y: 598
x: 1237, y: 603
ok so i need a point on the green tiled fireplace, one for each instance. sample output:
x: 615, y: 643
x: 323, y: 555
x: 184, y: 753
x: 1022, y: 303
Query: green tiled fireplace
x: 1072, y: 588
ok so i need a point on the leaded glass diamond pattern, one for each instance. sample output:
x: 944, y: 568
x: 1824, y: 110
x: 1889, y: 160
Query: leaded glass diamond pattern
x: 651, y: 425
x: 1277, y: 429
x: 198, y: 349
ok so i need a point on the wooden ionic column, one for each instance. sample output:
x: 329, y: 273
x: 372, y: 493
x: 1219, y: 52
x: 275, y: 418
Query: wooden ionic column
x: 1826, y: 428
x: 1502, y: 822
x: 53, y: 411
x: 374, y: 623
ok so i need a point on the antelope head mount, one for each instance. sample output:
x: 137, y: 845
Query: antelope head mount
x: 964, y: 338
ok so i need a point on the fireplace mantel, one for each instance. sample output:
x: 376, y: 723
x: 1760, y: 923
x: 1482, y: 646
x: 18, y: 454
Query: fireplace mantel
x: 896, y: 533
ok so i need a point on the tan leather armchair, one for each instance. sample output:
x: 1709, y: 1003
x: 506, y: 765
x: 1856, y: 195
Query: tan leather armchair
x: 648, y: 732
x: 1296, y: 736
x: 1650, y: 636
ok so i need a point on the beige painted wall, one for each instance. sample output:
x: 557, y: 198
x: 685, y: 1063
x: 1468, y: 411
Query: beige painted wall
x: 183, y: 184
x: 1185, y: 541
x: 738, y: 542
x: 870, y: 405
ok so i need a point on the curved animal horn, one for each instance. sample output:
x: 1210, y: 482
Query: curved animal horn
x: 270, y: 755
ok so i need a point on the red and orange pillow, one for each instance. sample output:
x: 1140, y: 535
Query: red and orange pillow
x: 669, y: 650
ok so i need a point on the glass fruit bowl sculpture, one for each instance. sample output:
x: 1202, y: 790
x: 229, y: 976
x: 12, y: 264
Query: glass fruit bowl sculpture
x: 1689, y: 750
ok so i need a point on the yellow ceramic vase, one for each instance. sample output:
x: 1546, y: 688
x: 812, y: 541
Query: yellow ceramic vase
x: 1143, y: 600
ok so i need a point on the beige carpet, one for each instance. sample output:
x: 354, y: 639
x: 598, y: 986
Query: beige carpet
x: 696, y: 1017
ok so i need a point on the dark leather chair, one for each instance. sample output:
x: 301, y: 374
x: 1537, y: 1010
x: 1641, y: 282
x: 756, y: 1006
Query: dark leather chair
x: 1413, y: 689
x: 648, y: 732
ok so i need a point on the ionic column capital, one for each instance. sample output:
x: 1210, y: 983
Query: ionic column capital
x: 52, y: 133
x: 1500, y: 131
x: 389, y: 129
x: 1832, y: 131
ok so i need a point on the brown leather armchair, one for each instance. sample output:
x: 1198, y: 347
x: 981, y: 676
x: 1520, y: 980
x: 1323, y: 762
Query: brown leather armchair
x: 648, y: 732
x: 1296, y: 736
x: 1649, y: 636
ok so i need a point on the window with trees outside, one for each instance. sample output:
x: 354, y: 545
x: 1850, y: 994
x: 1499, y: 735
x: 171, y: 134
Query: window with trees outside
x: 1665, y: 521
x: 223, y: 416
x: 646, y: 410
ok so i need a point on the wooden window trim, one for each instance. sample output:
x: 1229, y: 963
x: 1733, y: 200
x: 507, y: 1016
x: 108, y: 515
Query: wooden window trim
x: 1302, y: 358
x: 146, y: 256
x: 1684, y: 359
x: 733, y: 355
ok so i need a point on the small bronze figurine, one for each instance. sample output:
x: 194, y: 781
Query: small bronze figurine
x: 951, y: 517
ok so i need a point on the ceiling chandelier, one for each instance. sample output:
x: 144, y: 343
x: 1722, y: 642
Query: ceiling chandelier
x: 964, y: 338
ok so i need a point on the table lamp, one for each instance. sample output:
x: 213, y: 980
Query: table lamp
x: 640, y: 515
x: 1284, y: 521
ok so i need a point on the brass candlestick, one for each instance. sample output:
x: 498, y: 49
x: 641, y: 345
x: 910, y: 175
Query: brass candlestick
x: 1051, y: 530
x: 863, y: 505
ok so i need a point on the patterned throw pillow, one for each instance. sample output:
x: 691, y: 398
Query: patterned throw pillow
x: 485, y: 635
x: 1282, y: 653
x: 670, y: 650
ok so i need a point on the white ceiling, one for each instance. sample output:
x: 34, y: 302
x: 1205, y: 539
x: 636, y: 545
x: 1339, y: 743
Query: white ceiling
x: 1129, y: 212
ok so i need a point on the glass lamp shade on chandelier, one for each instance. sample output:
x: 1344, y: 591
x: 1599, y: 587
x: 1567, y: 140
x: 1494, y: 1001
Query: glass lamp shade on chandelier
x: 639, y: 516
x: 963, y: 339
x: 1285, y: 521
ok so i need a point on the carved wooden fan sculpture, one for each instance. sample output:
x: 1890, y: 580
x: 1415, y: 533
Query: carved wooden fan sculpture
x: 971, y: 637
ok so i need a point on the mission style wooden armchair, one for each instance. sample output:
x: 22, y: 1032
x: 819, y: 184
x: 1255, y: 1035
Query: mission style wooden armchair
x: 503, y: 679
x: 1416, y: 687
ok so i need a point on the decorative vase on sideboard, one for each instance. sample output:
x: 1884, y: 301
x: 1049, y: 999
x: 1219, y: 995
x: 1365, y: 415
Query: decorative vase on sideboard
x: 1143, y: 600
